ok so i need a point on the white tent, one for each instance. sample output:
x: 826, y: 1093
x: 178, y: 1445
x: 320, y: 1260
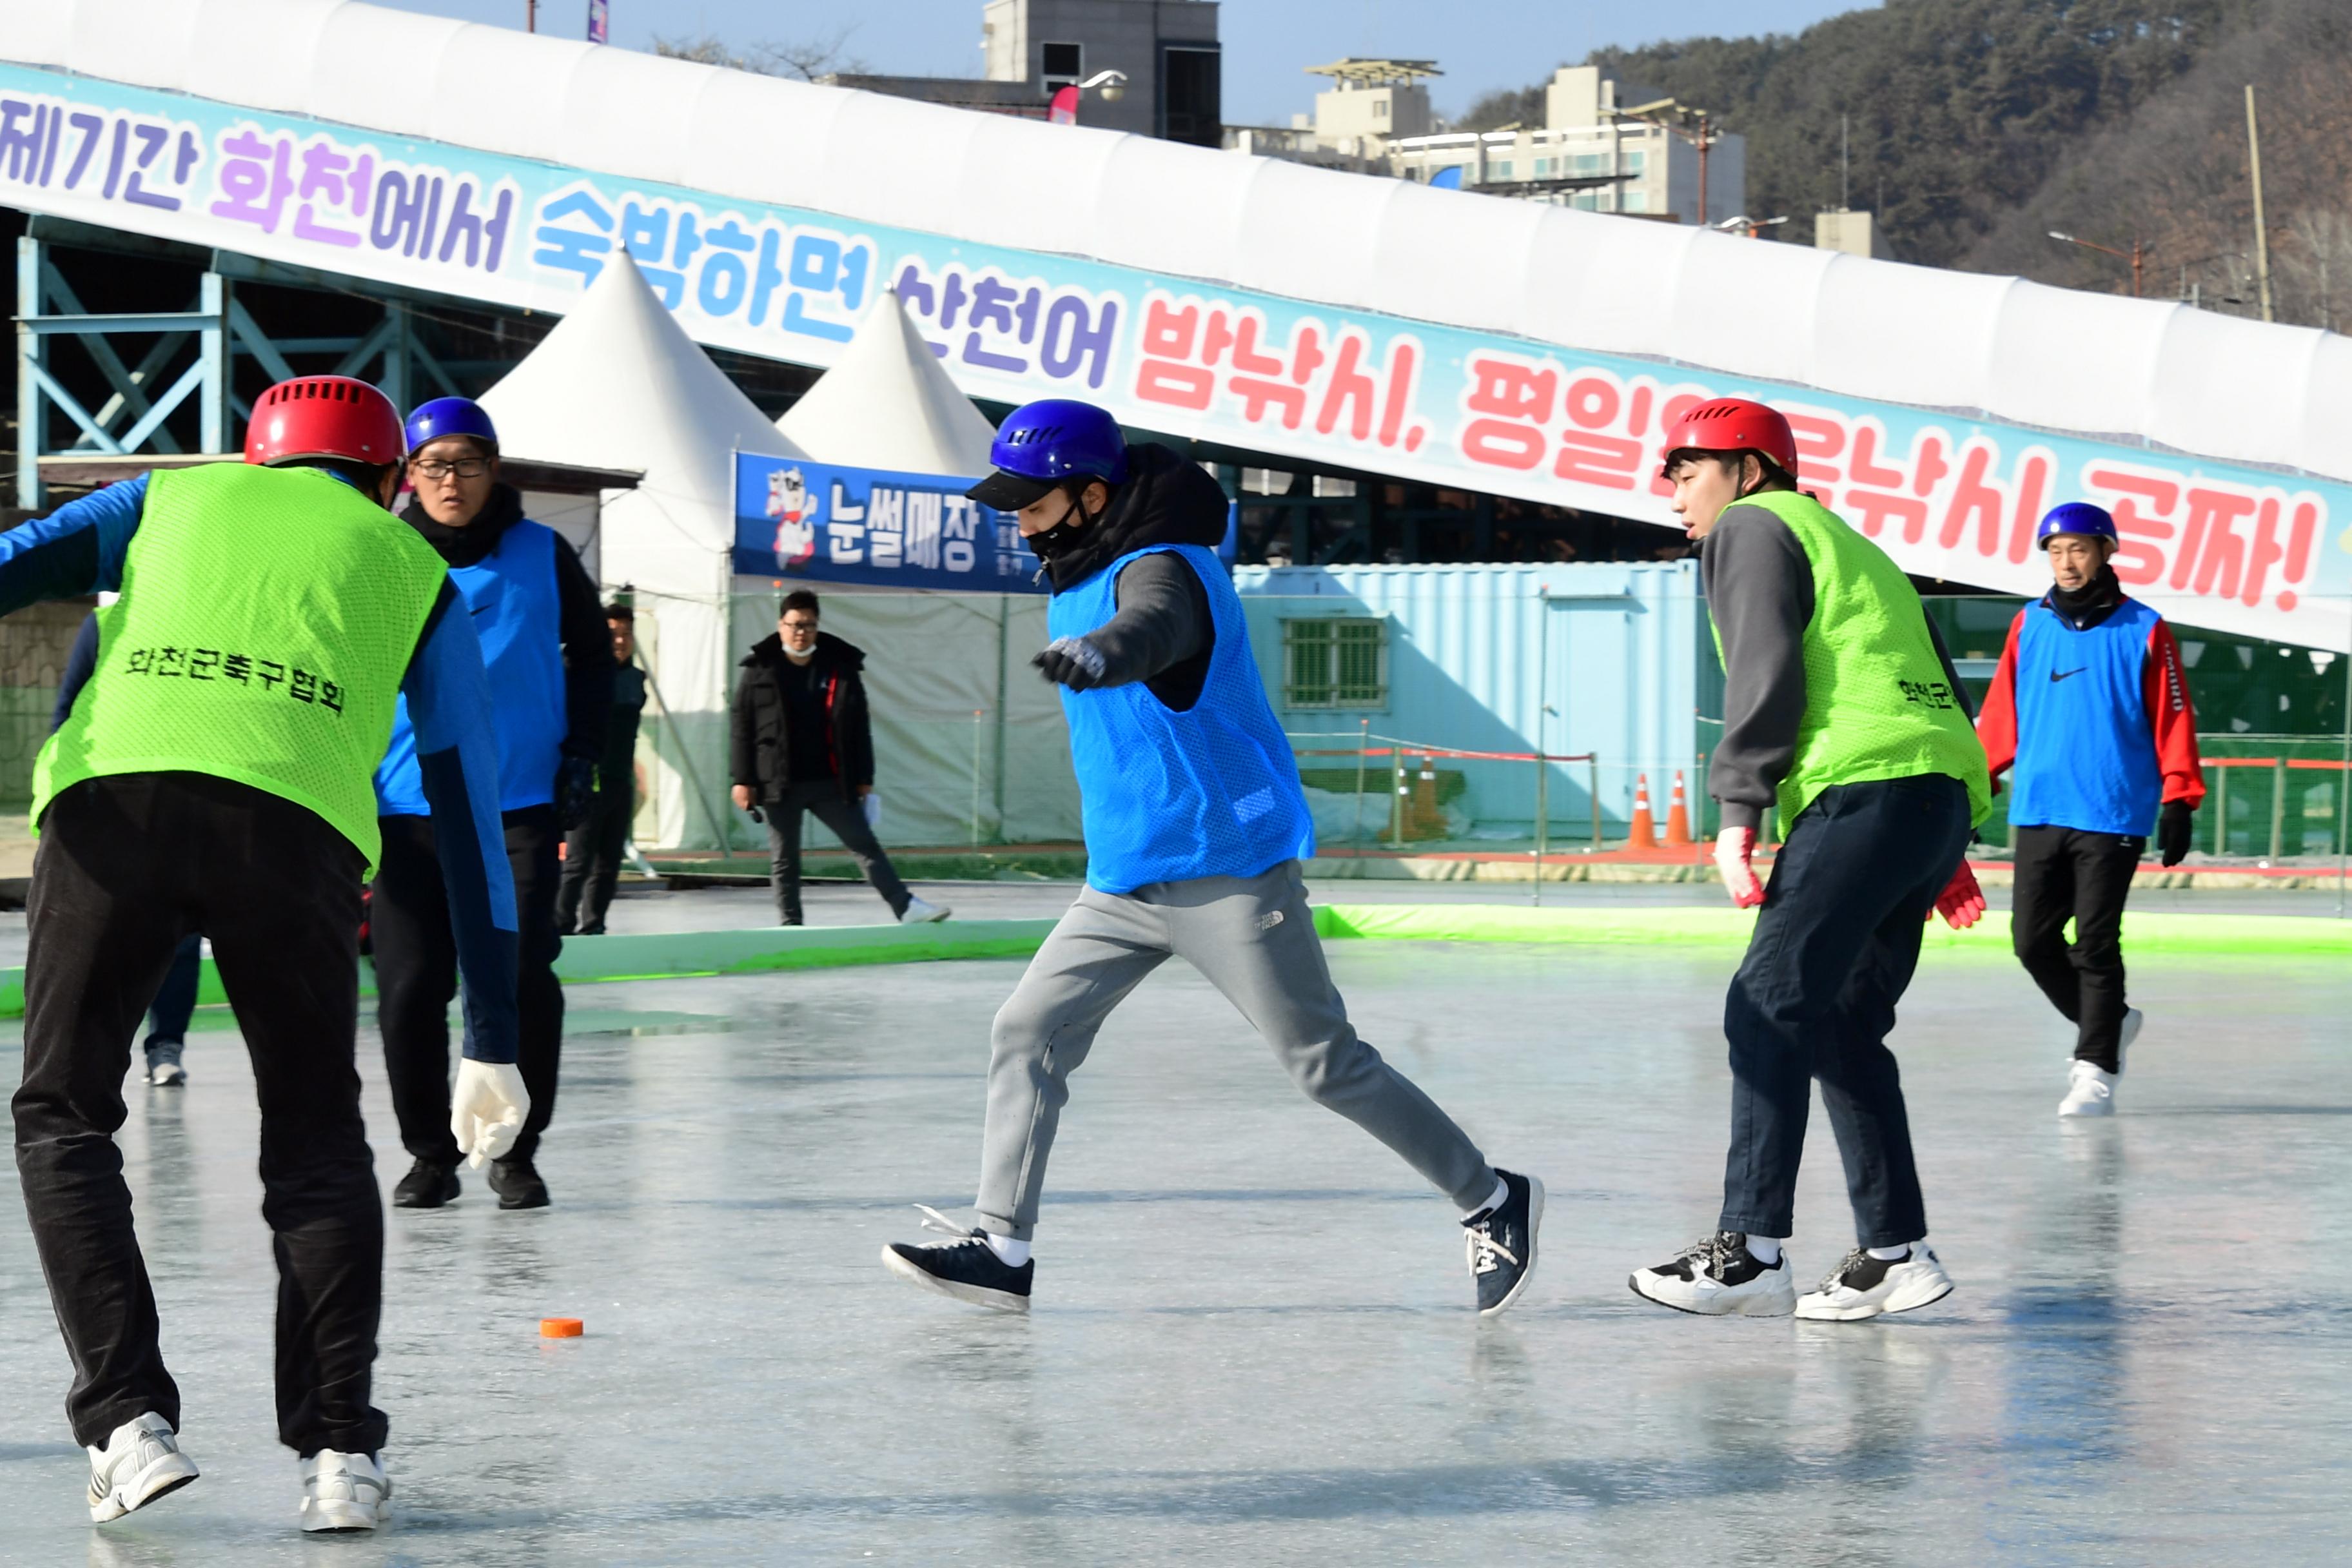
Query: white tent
x: 618, y: 384
x: 949, y: 713
x: 887, y: 402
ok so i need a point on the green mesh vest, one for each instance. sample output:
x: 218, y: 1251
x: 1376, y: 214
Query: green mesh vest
x: 1877, y: 704
x: 266, y: 618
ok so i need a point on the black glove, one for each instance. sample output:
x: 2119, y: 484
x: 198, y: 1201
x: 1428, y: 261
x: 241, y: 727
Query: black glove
x: 576, y: 786
x: 756, y: 814
x: 2172, y: 831
x: 1072, y: 662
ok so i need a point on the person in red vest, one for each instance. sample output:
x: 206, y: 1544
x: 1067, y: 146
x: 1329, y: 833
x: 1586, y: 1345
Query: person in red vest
x: 2090, y: 708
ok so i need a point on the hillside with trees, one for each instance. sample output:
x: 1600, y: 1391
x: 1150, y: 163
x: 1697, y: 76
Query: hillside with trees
x: 1974, y: 127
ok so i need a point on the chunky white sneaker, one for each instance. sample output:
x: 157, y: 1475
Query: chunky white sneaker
x: 344, y: 1491
x: 922, y: 912
x: 1865, y: 1287
x: 140, y: 1462
x: 1719, y: 1277
x: 2090, y: 1091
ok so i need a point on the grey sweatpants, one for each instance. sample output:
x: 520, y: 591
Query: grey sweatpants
x: 1252, y: 939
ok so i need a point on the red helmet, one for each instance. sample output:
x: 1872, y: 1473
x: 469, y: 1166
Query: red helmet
x: 1734, y: 425
x: 324, y: 416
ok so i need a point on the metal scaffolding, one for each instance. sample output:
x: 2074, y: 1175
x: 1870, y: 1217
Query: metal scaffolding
x: 215, y: 332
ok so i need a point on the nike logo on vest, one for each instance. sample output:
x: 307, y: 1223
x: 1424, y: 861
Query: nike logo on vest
x: 2058, y: 675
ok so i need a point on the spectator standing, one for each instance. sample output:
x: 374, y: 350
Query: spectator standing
x: 801, y: 741
x: 593, y: 851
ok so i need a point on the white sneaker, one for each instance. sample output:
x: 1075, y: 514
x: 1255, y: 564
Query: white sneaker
x: 2090, y: 1091
x: 1719, y: 1277
x: 921, y: 913
x: 1866, y: 1287
x: 344, y: 1491
x: 140, y: 1462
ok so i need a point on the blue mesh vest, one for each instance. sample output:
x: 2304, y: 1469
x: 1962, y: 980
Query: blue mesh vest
x: 1168, y: 796
x: 2086, y: 739
x: 511, y: 594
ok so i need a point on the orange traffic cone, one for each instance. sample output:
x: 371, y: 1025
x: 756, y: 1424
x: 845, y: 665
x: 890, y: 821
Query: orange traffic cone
x: 1645, y: 834
x: 1678, y: 814
x: 1428, y: 817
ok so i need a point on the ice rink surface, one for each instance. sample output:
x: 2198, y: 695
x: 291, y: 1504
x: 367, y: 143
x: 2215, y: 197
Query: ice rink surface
x: 1253, y: 1340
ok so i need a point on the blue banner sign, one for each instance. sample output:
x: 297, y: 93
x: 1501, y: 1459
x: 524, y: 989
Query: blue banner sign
x: 834, y: 524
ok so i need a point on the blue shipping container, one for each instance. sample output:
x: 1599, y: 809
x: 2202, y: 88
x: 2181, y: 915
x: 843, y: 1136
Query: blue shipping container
x: 1602, y: 657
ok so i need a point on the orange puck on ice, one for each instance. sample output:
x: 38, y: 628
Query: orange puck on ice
x: 561, y: 1327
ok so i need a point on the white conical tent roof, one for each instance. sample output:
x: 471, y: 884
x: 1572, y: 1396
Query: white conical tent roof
x: 619, y: 385
x: 888, y: 403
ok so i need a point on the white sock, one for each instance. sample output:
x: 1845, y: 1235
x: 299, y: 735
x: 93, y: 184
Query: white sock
x: 1011, y: 1253
x: 1495, y: 1199
x: 1890, y: 1254
x: 1765, y: 1250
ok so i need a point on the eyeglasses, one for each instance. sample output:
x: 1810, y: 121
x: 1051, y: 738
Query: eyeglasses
x: 464, y: 468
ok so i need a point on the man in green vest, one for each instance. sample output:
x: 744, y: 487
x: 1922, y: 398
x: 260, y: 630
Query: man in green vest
x: 1841, y: 711
x: 214, y: 776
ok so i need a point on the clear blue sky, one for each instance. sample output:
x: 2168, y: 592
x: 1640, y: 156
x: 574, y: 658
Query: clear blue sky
x: 1479, y: 44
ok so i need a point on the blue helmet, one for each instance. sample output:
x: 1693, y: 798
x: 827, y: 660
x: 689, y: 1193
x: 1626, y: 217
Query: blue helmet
x: 451, y: 416
x: 1044, y: 444
x: 2075, y: 517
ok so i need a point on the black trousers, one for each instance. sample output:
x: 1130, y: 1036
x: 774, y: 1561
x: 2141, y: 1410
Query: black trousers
x: 128, y: 867
x: 846, y: 820
x: 1834, y: 949
x: 416, y: 977
x: 2062, y: 874
x: 592, y: 861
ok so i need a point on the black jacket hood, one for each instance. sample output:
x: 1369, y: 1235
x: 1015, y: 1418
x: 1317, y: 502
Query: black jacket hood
x: 1167, y: 499
x: 473, y: 543
x: 830, y: 651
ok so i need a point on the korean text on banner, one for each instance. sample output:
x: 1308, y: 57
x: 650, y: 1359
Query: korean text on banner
x: 834, y: 524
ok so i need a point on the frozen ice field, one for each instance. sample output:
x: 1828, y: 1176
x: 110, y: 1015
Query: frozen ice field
x: 1252, y: 1339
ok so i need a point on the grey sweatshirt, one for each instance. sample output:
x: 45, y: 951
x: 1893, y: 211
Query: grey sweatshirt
x: 1759, y: 583
x: 1162, y: 632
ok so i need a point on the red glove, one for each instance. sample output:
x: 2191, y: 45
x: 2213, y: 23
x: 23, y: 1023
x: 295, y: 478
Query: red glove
x: 1961, y: 903
x: 1733, y: 848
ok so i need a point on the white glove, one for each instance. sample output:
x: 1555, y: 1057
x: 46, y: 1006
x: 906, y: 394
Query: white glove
x: 871, y: 803
x: 486, y: 1109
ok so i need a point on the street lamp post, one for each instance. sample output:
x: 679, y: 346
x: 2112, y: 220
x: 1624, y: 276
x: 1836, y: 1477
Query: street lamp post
x: 1753, y: 227
x: 2137, y: 255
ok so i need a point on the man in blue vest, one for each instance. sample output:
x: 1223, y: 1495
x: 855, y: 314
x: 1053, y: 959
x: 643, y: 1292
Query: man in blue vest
x: 2090, y: 705
x: 1195, y: 828
x: 551, y: 664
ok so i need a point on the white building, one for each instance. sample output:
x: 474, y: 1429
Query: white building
x: 1605, y: 146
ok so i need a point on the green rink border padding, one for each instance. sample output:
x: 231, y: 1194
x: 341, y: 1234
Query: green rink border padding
x: 2266, y: 936
x: 677, y: 955
x: 681, y: 955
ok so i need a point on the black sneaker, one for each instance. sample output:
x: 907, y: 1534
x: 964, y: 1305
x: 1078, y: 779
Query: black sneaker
x: 967, y: 1268
x: 1502, y: 1243
x: 427, y: 1185
x: 1719, y: 1277
x: 516, y: 1181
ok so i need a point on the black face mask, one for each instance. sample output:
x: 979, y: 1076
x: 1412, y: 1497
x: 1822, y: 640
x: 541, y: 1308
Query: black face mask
x: 1046, y: 544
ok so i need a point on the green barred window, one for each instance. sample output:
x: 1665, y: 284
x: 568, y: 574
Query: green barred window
x: 1335, y: 663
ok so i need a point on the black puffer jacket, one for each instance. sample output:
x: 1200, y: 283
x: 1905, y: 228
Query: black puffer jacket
x: 1165, y: 501
x: 760, y: 752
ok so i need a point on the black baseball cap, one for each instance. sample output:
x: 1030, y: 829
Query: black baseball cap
x: 1009, y: 491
